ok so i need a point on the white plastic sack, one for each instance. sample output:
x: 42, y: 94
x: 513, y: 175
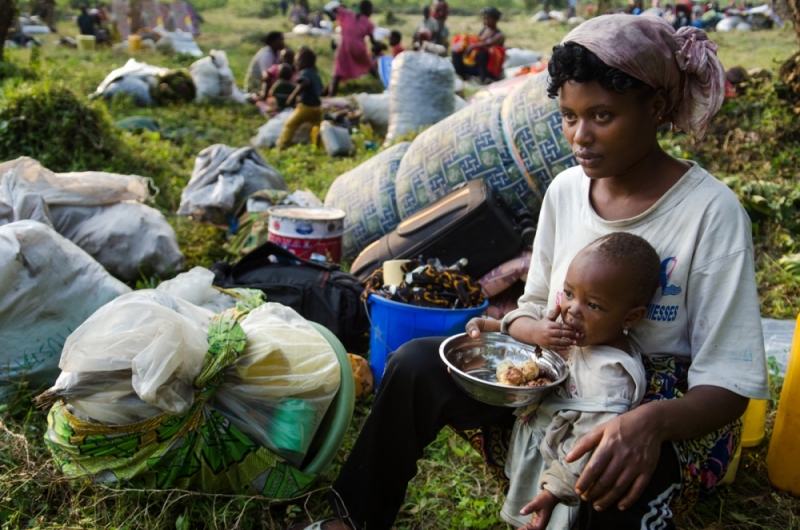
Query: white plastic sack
x: 540, y: 16
x: 95, y: 210
x: 520, y: 57
x: 268, y: 134
x: 374, y: 111
x: 49, y: 286
x: 729, y: 23
x: 420, y: 92
x: 336, y: 140
x: 137, y: 88
x: 176, y: 42
x: 224, y: 176
x: 214, y: 80
x: 301, y: 29
x: 381, y: 33
x: 132, y: 68
x: 127, y: 238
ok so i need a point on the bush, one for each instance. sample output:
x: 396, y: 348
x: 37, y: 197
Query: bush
x: 51, y: 124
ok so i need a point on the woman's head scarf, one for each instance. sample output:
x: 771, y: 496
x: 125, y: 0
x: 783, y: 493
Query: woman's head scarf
x: 683, y: 63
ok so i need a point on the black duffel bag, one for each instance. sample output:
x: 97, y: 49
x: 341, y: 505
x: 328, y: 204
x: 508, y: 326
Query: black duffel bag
x: 320, y: 292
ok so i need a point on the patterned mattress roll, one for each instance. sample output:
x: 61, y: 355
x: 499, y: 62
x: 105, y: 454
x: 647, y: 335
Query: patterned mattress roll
x: 367, y: 196
x: 466, y: 146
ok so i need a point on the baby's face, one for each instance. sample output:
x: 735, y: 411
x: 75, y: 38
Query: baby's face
x: 596, y: 299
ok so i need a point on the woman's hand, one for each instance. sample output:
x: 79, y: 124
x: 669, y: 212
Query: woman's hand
x: 626, y: 452
x: 546, y: 333
x: 542, y: 509
x: 476, y: 326
x: 469, y: 49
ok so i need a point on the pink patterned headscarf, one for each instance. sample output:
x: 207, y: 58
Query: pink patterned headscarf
x: 684, y: 63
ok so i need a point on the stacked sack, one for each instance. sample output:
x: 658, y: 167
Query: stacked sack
x: 514, y: 142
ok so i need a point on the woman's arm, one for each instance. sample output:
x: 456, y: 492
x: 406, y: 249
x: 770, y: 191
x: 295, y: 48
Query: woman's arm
x: 627, y: 448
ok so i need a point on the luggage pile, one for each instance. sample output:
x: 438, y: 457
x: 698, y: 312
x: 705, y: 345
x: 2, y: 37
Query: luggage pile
x: 473, y: 144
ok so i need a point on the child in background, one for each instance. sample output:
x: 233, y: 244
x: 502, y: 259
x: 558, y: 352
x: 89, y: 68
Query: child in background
x: 283, y: 87
x: 395, y: 41
x: 286, y: 57
x: 606, y: 292
x: 306, y: 97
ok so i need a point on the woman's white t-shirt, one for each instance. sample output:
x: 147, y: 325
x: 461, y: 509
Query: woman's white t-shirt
x: 705, y: 311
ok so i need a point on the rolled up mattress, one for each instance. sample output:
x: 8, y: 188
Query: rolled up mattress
x: 466, y: 146
x: 532, y: 130
x: 367, y: 196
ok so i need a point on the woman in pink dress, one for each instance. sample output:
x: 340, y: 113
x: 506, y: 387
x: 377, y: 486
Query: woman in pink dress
x: 353, y: 58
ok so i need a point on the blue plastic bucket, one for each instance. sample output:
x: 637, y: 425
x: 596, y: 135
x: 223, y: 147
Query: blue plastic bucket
x: 394, y: 324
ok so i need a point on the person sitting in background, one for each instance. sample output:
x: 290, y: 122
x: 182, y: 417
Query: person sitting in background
x: 286, y: 57
x: 86, y: 23
x: 396, y: 42
x: 263, y: 60
x: 299, y: 14
x: 305, y: 98
x: 481, y: 56
x: 315, y: 20
x: 283, y: 87
x: 440, y: 13
x: 427, y: 27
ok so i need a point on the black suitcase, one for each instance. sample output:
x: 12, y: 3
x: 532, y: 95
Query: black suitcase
x: 470, y: 222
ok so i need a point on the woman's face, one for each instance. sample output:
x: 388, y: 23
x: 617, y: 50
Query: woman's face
x: 609, y: 132
x: 489, y: 21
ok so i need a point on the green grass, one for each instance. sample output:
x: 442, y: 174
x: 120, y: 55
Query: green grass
x: 451, y: 489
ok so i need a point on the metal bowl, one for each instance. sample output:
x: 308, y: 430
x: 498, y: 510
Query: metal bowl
x: 473, y: 363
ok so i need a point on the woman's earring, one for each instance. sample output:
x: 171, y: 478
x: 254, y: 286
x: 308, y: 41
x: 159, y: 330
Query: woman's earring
x: 625, y: 330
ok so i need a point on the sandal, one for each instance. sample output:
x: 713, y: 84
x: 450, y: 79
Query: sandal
x: 317, y: 525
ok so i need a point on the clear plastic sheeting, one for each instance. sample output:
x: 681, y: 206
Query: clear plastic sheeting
x: 49, y: 287
x: 778, y: 336
x: 196, y: 287
x: 147, y: 343
x: 142, y: 355
x: 223, y: 177
x: 420, y: 92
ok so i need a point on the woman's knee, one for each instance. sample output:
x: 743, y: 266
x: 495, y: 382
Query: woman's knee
x: 417, y: 355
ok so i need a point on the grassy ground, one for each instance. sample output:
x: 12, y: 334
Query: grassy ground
x: 451, y: 489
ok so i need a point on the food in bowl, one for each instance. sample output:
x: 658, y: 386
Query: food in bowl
x: 524, y: 374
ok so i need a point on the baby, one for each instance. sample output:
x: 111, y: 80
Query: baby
x: 283, y: 87
x: 606, y: 292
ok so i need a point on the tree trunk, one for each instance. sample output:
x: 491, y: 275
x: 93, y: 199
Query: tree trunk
x: 8, y: 10
x: 794, y: 12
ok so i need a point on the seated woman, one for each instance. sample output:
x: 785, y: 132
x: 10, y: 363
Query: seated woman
x: 481, y: 56
x: 263, y: 60
x: 618, y: 79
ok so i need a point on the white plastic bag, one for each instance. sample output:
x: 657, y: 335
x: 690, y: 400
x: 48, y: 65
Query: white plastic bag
x: 48, y: 287
x: 128, y: 238
x: 97, y: 211
x: 214, y: 80
x: 336, y: 140
x: 131, y: 69
x: 145, y: 345
x: 374, y: 111
x: 520, y: 57
x: 268, y: 134
x: 420, y: 92
x: 196, y: 287
x: 222, y: 177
